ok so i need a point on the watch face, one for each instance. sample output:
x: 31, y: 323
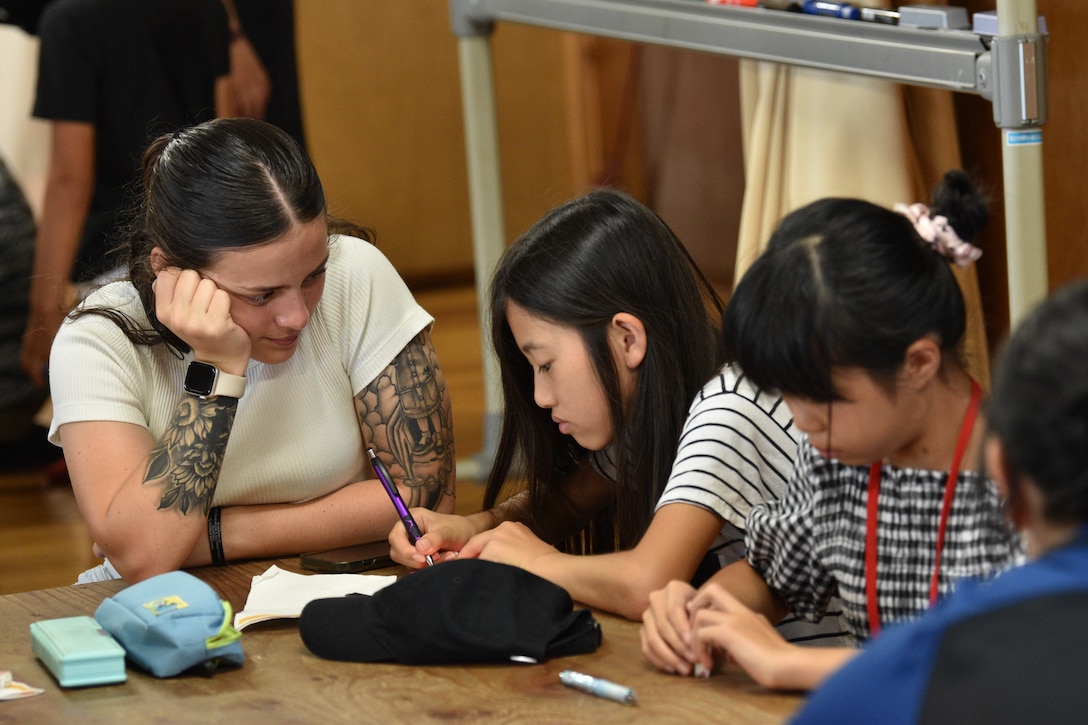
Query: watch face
x: 200, y: 378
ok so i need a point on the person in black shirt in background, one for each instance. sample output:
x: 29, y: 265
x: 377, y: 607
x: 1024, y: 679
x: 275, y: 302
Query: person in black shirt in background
x: 159, y: 66
x: 112, y: 74
x: 21, y: 441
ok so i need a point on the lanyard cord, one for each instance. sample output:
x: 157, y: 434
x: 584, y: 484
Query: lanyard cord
x: 946, y: 507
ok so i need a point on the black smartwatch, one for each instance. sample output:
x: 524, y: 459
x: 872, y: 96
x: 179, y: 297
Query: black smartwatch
x: 208, y: 381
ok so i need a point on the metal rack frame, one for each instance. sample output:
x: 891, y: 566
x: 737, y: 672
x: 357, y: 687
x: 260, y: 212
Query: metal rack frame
x: 1008, y: 69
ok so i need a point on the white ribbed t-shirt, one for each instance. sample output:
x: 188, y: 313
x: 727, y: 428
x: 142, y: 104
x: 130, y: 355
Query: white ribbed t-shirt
x: 296, y: 434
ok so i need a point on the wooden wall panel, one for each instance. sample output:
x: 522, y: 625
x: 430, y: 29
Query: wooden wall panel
x: 382, y: 106
x: 1065, y: 137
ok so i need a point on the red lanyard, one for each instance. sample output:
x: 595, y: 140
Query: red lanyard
x: 942, y: 526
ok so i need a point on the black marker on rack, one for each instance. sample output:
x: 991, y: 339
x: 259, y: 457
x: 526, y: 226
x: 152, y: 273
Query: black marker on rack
x: 846, y: 11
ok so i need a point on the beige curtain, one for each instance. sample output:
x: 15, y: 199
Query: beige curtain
x: 24, y: 141
x: 809, y: 134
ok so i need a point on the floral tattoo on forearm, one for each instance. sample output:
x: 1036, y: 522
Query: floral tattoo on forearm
x: 186, y: 462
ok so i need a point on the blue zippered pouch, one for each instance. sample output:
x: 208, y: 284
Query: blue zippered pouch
x: 171, y: 623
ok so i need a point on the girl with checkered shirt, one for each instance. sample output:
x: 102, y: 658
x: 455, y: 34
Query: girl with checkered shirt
x: 855, y: 319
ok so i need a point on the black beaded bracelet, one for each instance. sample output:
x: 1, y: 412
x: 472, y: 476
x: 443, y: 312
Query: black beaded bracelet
x: 215, y: 537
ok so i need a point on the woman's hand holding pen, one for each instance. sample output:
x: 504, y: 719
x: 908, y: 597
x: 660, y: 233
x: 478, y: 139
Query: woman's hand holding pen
x: 443, y: 537
x: 198, y: 312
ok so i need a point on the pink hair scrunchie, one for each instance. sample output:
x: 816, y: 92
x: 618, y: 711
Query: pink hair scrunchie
x: 939, y: 234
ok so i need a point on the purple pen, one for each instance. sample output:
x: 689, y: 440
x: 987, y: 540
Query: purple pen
x: 410, y: 524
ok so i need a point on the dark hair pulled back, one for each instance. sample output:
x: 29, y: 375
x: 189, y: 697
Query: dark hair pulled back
x: 225, y: 184
x: 844, y: 282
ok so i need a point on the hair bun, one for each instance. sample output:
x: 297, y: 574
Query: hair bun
x: 959, y: 200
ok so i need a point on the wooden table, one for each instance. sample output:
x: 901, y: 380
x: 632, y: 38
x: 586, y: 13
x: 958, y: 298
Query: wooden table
x: 281, y: 681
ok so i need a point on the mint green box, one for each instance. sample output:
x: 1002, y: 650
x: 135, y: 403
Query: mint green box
x: 78, y: 651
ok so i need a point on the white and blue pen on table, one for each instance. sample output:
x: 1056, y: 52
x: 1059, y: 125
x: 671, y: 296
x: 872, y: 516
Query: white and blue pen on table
x: 597, y: 686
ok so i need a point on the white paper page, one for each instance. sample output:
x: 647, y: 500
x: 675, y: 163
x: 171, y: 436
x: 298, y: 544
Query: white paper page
x: 279, y: 594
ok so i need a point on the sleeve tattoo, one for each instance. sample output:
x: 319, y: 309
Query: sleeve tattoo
x: 405, y: 413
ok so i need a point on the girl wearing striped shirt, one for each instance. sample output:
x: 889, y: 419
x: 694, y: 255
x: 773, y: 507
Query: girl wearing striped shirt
x: 606, y: 332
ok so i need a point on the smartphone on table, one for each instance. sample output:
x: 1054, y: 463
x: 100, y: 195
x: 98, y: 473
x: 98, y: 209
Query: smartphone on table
x: 349, y: 560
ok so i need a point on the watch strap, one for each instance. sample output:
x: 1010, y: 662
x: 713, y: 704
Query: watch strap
x: 230, y: 386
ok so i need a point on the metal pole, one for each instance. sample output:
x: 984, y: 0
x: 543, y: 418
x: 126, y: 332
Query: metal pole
x: 485, y: 195
x: 1022, y: 156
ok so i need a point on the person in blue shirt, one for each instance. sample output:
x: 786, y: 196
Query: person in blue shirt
x: 1015, y: 648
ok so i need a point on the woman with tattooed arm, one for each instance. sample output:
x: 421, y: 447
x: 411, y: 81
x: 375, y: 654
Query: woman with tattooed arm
x: 217, y: 405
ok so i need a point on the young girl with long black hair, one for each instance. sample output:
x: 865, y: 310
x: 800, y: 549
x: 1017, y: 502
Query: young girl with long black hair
x: 625, y: 433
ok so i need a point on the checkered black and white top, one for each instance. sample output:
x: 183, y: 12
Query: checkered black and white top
x: 737, y: 450
x: 810, y: 545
